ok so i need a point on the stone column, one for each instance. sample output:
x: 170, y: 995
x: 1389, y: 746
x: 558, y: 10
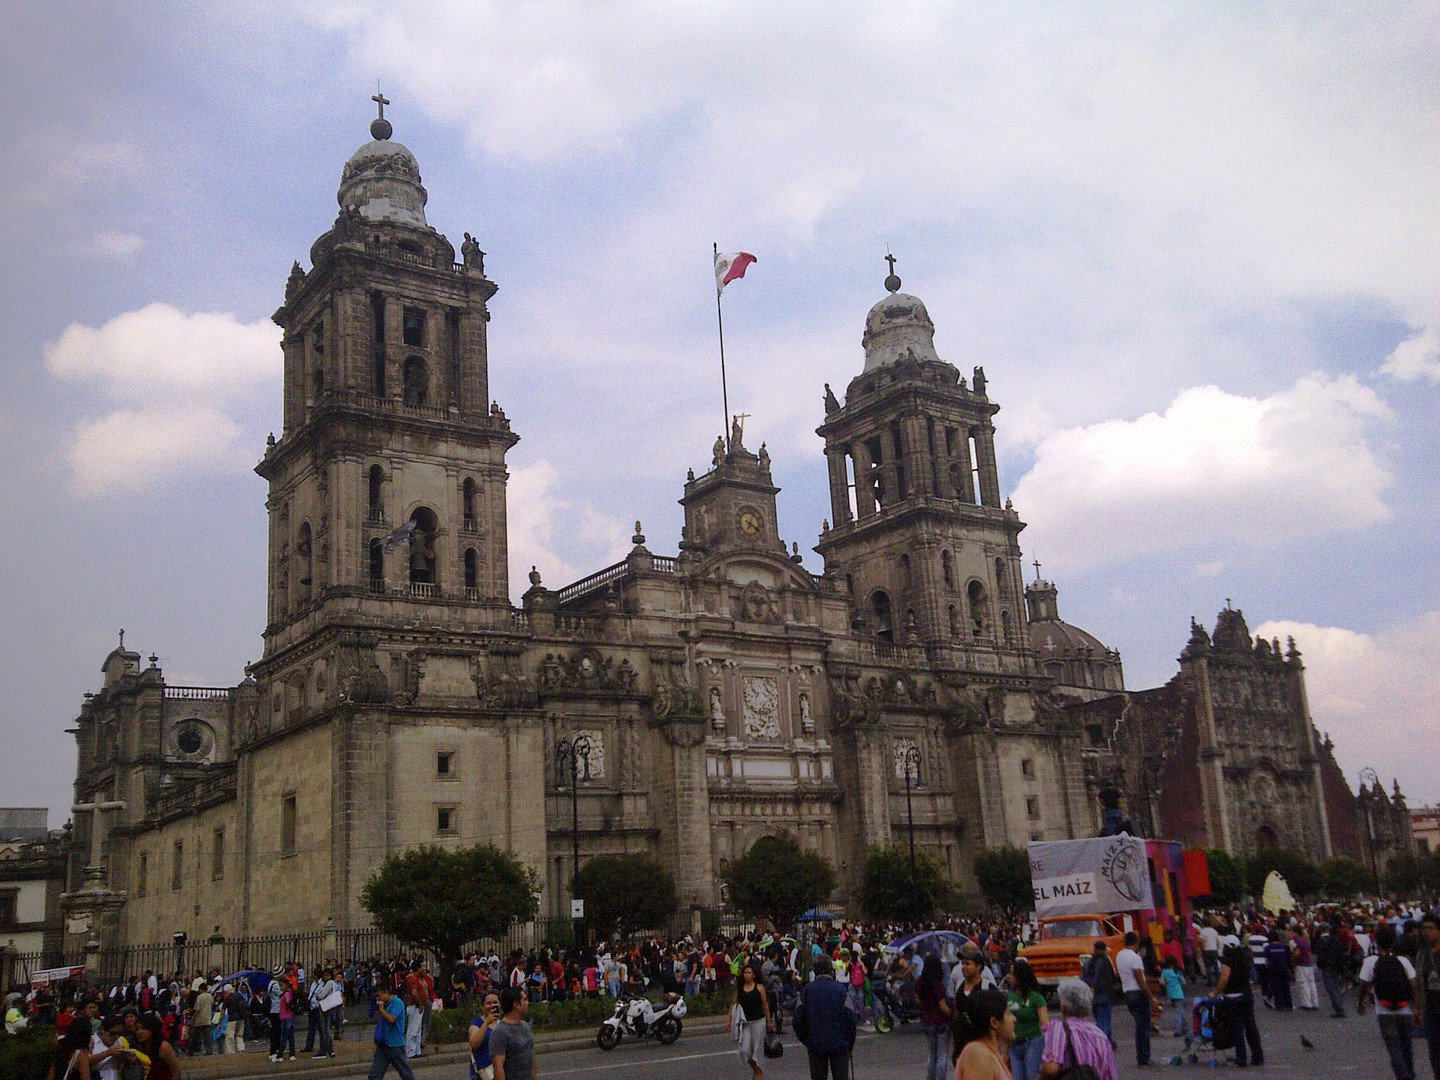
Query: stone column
x: 917, y: 460
x: 967, y: 481
x: 943, y: 487
x: 864, y: 488
x: 989, y: 477
x: 839, y: 487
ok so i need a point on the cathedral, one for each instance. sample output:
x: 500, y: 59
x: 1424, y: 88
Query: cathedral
x: 682, y: 705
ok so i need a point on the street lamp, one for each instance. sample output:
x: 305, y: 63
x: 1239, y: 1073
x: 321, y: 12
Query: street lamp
x: 911, y: 762
x: 573, y: 756
x: 1368, y: 780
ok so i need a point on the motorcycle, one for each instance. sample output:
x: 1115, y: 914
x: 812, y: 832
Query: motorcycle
x: 638, y: 1018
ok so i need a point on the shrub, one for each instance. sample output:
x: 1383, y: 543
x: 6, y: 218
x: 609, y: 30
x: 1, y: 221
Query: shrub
x: 27, y: 1054
x: 453, y: 1025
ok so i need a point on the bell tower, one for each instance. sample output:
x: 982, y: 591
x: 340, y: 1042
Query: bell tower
x: 919, y: 531
x: 387, y: 485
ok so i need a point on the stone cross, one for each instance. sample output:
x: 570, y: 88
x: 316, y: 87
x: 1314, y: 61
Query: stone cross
x: 380, y: 100
x: 891, y: 260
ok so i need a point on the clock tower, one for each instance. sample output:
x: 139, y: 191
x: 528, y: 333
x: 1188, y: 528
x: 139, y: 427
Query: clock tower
x: 733, y: 505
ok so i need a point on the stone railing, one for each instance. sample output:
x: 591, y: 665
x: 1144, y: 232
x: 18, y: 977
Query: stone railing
x: 197, y: 693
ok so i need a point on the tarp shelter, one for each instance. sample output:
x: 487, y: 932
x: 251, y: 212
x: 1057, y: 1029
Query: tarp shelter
x: 817, y: 915
x: 1275, y: 897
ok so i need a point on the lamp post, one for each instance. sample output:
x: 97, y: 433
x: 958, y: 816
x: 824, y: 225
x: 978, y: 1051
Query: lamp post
x: 1369, y: 779
x: 573, y: 756
x: 911, y: 762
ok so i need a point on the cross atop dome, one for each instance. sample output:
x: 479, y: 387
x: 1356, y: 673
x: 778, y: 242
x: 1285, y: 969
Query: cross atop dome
x: 380, y: 127
x: 892, y: 282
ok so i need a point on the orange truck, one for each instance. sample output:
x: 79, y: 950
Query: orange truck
x: 1099, y: 890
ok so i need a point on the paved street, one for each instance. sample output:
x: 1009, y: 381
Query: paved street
x: 1343, y: 1048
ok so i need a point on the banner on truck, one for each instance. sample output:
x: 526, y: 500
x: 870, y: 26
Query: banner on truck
x: 1078, y: 877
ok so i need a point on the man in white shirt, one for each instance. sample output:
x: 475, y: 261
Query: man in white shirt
x: 1131, y: 970
x: 1393, y: 979
x: 1210, y: 949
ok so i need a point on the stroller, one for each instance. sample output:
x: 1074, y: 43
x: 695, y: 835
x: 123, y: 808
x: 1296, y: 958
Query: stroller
x: 1208, y: 1032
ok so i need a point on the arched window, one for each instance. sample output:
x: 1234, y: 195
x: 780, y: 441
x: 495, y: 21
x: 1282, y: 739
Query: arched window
x: 472, y: 569
x: 377, y: 565
x: 954, y: 622
x: 305, y: 552
x: 1007, y: 628
x: 880, y: 605
x: 467, y: 500
x: 422, y: 546
x: 947, y: 569
x: 376, y: 483
x: 1266, y: 838
x: 979, y: 608
x: 905, y: 569
x: 417, y: 381
x: 1002, y: 582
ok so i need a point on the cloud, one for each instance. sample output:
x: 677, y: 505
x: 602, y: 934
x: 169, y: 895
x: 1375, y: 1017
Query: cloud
x: 1416, y: 358
x: 1375, y: 695
x: 160, y: 350
x: 131, y: 450
x: 177, y: 379
x: 1213, y: 468
x: 118, y: 245
x: 563, y: 540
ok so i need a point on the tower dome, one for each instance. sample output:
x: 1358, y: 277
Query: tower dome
x: 382, y: 179
x: 896, y: 328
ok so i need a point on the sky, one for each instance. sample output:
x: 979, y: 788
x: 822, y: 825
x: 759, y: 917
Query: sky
x: 1193, y: 245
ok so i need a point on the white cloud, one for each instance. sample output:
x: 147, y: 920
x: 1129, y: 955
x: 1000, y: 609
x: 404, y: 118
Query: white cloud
x: 178, y: 379
x: 130, y: 450
x: 1416, y: 358
x: 563, y: 540
x: 160, y: 350
x: 1214, y: 468
x: 120, y: 246
x: 1375, y: 695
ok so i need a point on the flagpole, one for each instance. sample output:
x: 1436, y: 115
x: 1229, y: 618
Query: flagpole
x: 724, y: 390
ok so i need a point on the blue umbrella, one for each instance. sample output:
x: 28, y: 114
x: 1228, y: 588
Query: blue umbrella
x: 817, y: 915
x: 931, y: 941
x: 257, y: 978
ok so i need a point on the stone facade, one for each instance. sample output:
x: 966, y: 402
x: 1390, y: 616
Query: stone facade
x: 728, y: 693
x: 1226, y: 755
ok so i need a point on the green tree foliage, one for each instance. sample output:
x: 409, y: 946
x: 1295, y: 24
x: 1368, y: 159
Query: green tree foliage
x: 1345, y: 877
x: 441, y: 900
x: 1412, y: 875
x: 625, y: 893
x: 778, y: 880
x: 1302, y: 875
x: 1004, y: 877
x: 1227, y: 877
x: 885, y: 891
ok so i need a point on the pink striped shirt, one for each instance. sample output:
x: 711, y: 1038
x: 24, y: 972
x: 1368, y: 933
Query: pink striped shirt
x: 1089, y: 1043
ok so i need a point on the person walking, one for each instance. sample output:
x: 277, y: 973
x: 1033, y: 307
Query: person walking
x: 1393, y: 980
x: 389, y: 1035
x: 1133, y: 984
x: 1098, y: 973
x: 322, y: 991
x: 1031, y: 1016
x: 1234, y: 985
x: 1279, y: 964
x: 1427, y: 1001
x: 987, y: 1031
x: 237, y: 1011
x: 1305, y: 992
x: 750, y: 1018
x: 1074, y: 1038
x: 202, y: 1016
x: 273, y: 994
x: 1330, y: 962
x: 1174, y: 981
x: 291, y: 1006
x: 934, y: 1017
x: 512, y: 1043
x: 823, y: 1024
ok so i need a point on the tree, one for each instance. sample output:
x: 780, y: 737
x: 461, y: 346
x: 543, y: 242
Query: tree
x: 1412, y: 875
x: 1345, y: 877
x: 1302, y: 875
x: 778, y: 880
x: 885, y: 891
x: 625, y: 893
x: 1004, y: 877
x: 1227, y: 877
x: 441, y: 900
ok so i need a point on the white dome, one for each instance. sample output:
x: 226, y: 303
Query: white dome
x: 382, y: 178
x: 898, y: 327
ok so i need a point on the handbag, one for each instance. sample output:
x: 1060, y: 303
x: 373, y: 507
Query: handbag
x: 1073, y: 1069
x: 774, y: 1048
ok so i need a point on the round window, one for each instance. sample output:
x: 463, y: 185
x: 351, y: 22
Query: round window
x: 190, y: 740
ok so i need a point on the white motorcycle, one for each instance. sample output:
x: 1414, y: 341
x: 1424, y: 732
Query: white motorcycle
x: 638, y: 1018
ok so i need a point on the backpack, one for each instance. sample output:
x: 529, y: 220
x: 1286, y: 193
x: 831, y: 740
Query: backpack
x: 1073, y: 1069
x: 1392, y: 988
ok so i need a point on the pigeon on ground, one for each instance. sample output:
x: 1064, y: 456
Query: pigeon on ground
x: 1306, y: 1043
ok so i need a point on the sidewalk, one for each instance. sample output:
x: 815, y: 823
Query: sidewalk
x: 354, y: 1054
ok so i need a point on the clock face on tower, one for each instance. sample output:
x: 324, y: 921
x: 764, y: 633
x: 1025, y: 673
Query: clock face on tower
x: 749, y: 522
